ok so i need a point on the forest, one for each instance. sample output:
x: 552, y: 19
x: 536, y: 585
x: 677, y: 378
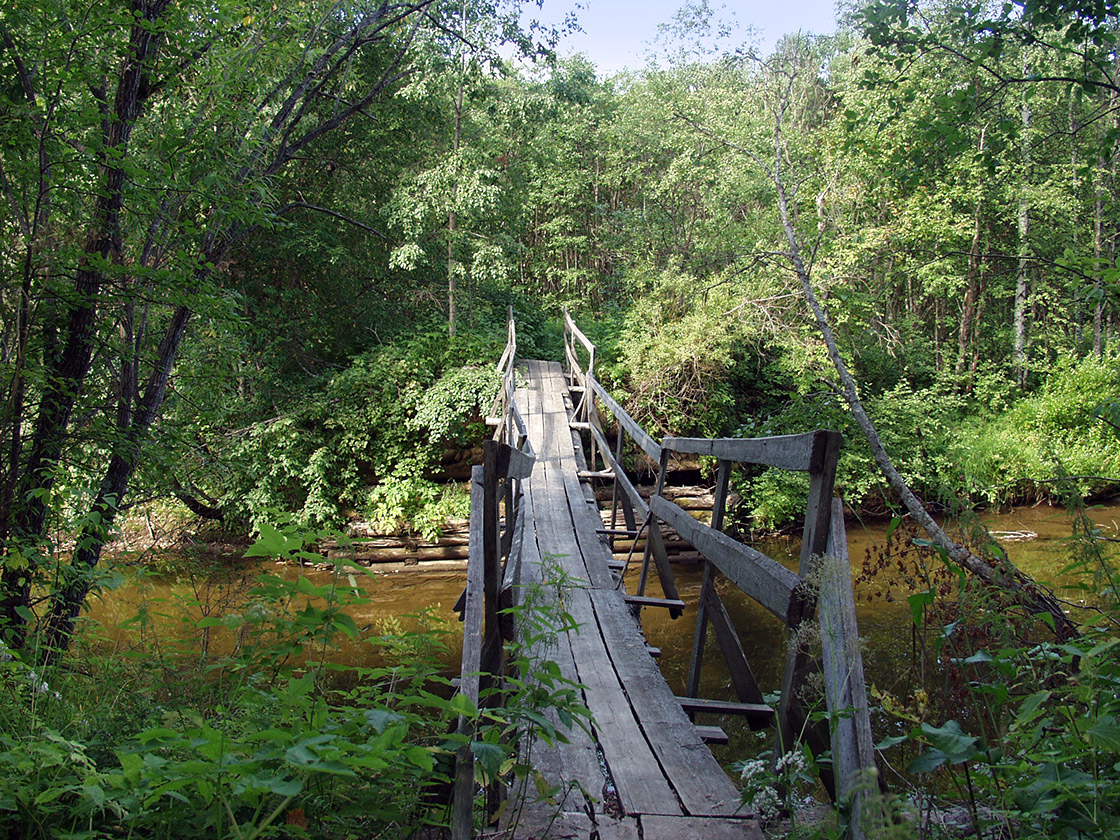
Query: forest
x: 257, y: 262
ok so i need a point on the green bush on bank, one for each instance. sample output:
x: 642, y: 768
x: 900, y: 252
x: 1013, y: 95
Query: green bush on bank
x: 949, y: 448
x: 171, y: 740
x: 268, y: 712
x: 1014, y: 454
x: 371, y: 438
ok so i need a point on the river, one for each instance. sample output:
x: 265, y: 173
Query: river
x: 1037, y: 541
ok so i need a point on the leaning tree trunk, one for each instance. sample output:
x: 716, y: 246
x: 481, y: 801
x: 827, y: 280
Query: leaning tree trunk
x: 1026, y: 592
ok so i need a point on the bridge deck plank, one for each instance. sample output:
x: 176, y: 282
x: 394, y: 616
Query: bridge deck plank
x: 660, y: 768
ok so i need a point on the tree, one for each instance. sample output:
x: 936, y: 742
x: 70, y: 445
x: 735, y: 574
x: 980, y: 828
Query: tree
x: 1059, y: 56
x: 141, y: 144
x: 792, y: 93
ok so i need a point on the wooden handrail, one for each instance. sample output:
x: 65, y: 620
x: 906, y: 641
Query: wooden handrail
x: 787, y: 594
x: 508, y: 459
x: 787, y: 452
x: 765, y: 580
x: 636, y: 432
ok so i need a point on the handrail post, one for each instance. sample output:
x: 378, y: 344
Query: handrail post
x: 491, y: 541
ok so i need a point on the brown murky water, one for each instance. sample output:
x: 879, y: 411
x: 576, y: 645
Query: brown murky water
x: 1038, y: 544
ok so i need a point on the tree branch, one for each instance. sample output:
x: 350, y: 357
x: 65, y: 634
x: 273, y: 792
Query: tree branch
x: 295, y: 205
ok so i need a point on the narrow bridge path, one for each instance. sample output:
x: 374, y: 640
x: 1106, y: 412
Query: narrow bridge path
x: 644, y: 771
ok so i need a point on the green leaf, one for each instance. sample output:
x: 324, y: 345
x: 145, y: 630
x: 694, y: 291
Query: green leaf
x: 461, y: 705
x: 489, y: 758
x: 1105, y: 734
x: 918, y: 603
x: 981, y: 656
x: 892, y: 741
x: 271, y: 543
x: 1031, y: 707
x: 284, y: 786
x: 53, y: 793
x: 381, y: 719
x: 956, y: 744
x: 927, y: 762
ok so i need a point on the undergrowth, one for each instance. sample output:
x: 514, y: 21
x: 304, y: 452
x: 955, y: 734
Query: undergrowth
x: 246, y: 723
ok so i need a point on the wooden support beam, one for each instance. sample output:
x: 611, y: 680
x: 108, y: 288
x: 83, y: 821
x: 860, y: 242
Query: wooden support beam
x: 712, y: 735
x: 671, y: 604
x: 853, y: 751
x: 617, y: 532
x: 764, y: 579
x: 787, y: 452
x: 462, y: 822
x: 726, y: 707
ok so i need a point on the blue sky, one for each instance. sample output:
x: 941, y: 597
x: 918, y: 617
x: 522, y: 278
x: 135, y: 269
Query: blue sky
x: 619, y: 33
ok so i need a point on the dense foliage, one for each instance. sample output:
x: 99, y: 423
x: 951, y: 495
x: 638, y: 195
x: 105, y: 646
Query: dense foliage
x: 259, y: 259
x: 256, y: 708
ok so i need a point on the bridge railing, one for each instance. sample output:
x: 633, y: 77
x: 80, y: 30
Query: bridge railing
x: 821, y: 585
x: 504, y: 416
x: 626, y: 501
x: 495, y: 544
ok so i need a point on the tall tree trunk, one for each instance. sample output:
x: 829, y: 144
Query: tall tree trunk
x: 1098, y: 234
x: 968, y: 331
x: 1022, y: 279
x: 68, y: 601
x: 23, y: 522
x: 453, y: 216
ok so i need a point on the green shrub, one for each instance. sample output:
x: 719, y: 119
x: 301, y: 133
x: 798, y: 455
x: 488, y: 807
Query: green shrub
x: 1022, y: 730
x: 382, y: 423
x: 1015, y: 454
x: 275, y: 736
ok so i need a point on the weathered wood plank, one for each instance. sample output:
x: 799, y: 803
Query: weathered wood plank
x: 764, y: 579
x: 845, y: 686
x: 515, y: 464
x: 713, y: 735
x: 473, y: 596
x: 657, y: 551
x: 642, y: 788
x: 491, y: 547
x: 636, y: 432
x: 697, y: 778
x: 788, y: 452
x: 566, y: 825
x: 739, y: 669
x: 673, y: 776
x: 692, y: 828
x: 576, y: 760
x: 727, y: 707
x: 577, y: 333
x: 671, y: 604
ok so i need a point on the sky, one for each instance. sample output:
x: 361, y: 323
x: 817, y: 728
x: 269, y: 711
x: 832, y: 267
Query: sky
x: 618, y: 33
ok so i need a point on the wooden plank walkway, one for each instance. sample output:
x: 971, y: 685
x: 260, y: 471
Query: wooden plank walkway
x: 644, y: 771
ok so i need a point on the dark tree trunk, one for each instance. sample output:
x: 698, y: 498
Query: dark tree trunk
x: 23, y: 521
x: 67, y: 603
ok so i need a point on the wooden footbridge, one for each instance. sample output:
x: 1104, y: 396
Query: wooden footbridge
x: 640, y: 767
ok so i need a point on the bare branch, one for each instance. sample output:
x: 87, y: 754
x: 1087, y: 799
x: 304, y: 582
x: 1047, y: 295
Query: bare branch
x: 334, y: 213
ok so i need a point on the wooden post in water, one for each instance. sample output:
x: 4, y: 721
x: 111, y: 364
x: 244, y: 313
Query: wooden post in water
x: 818, y: 514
